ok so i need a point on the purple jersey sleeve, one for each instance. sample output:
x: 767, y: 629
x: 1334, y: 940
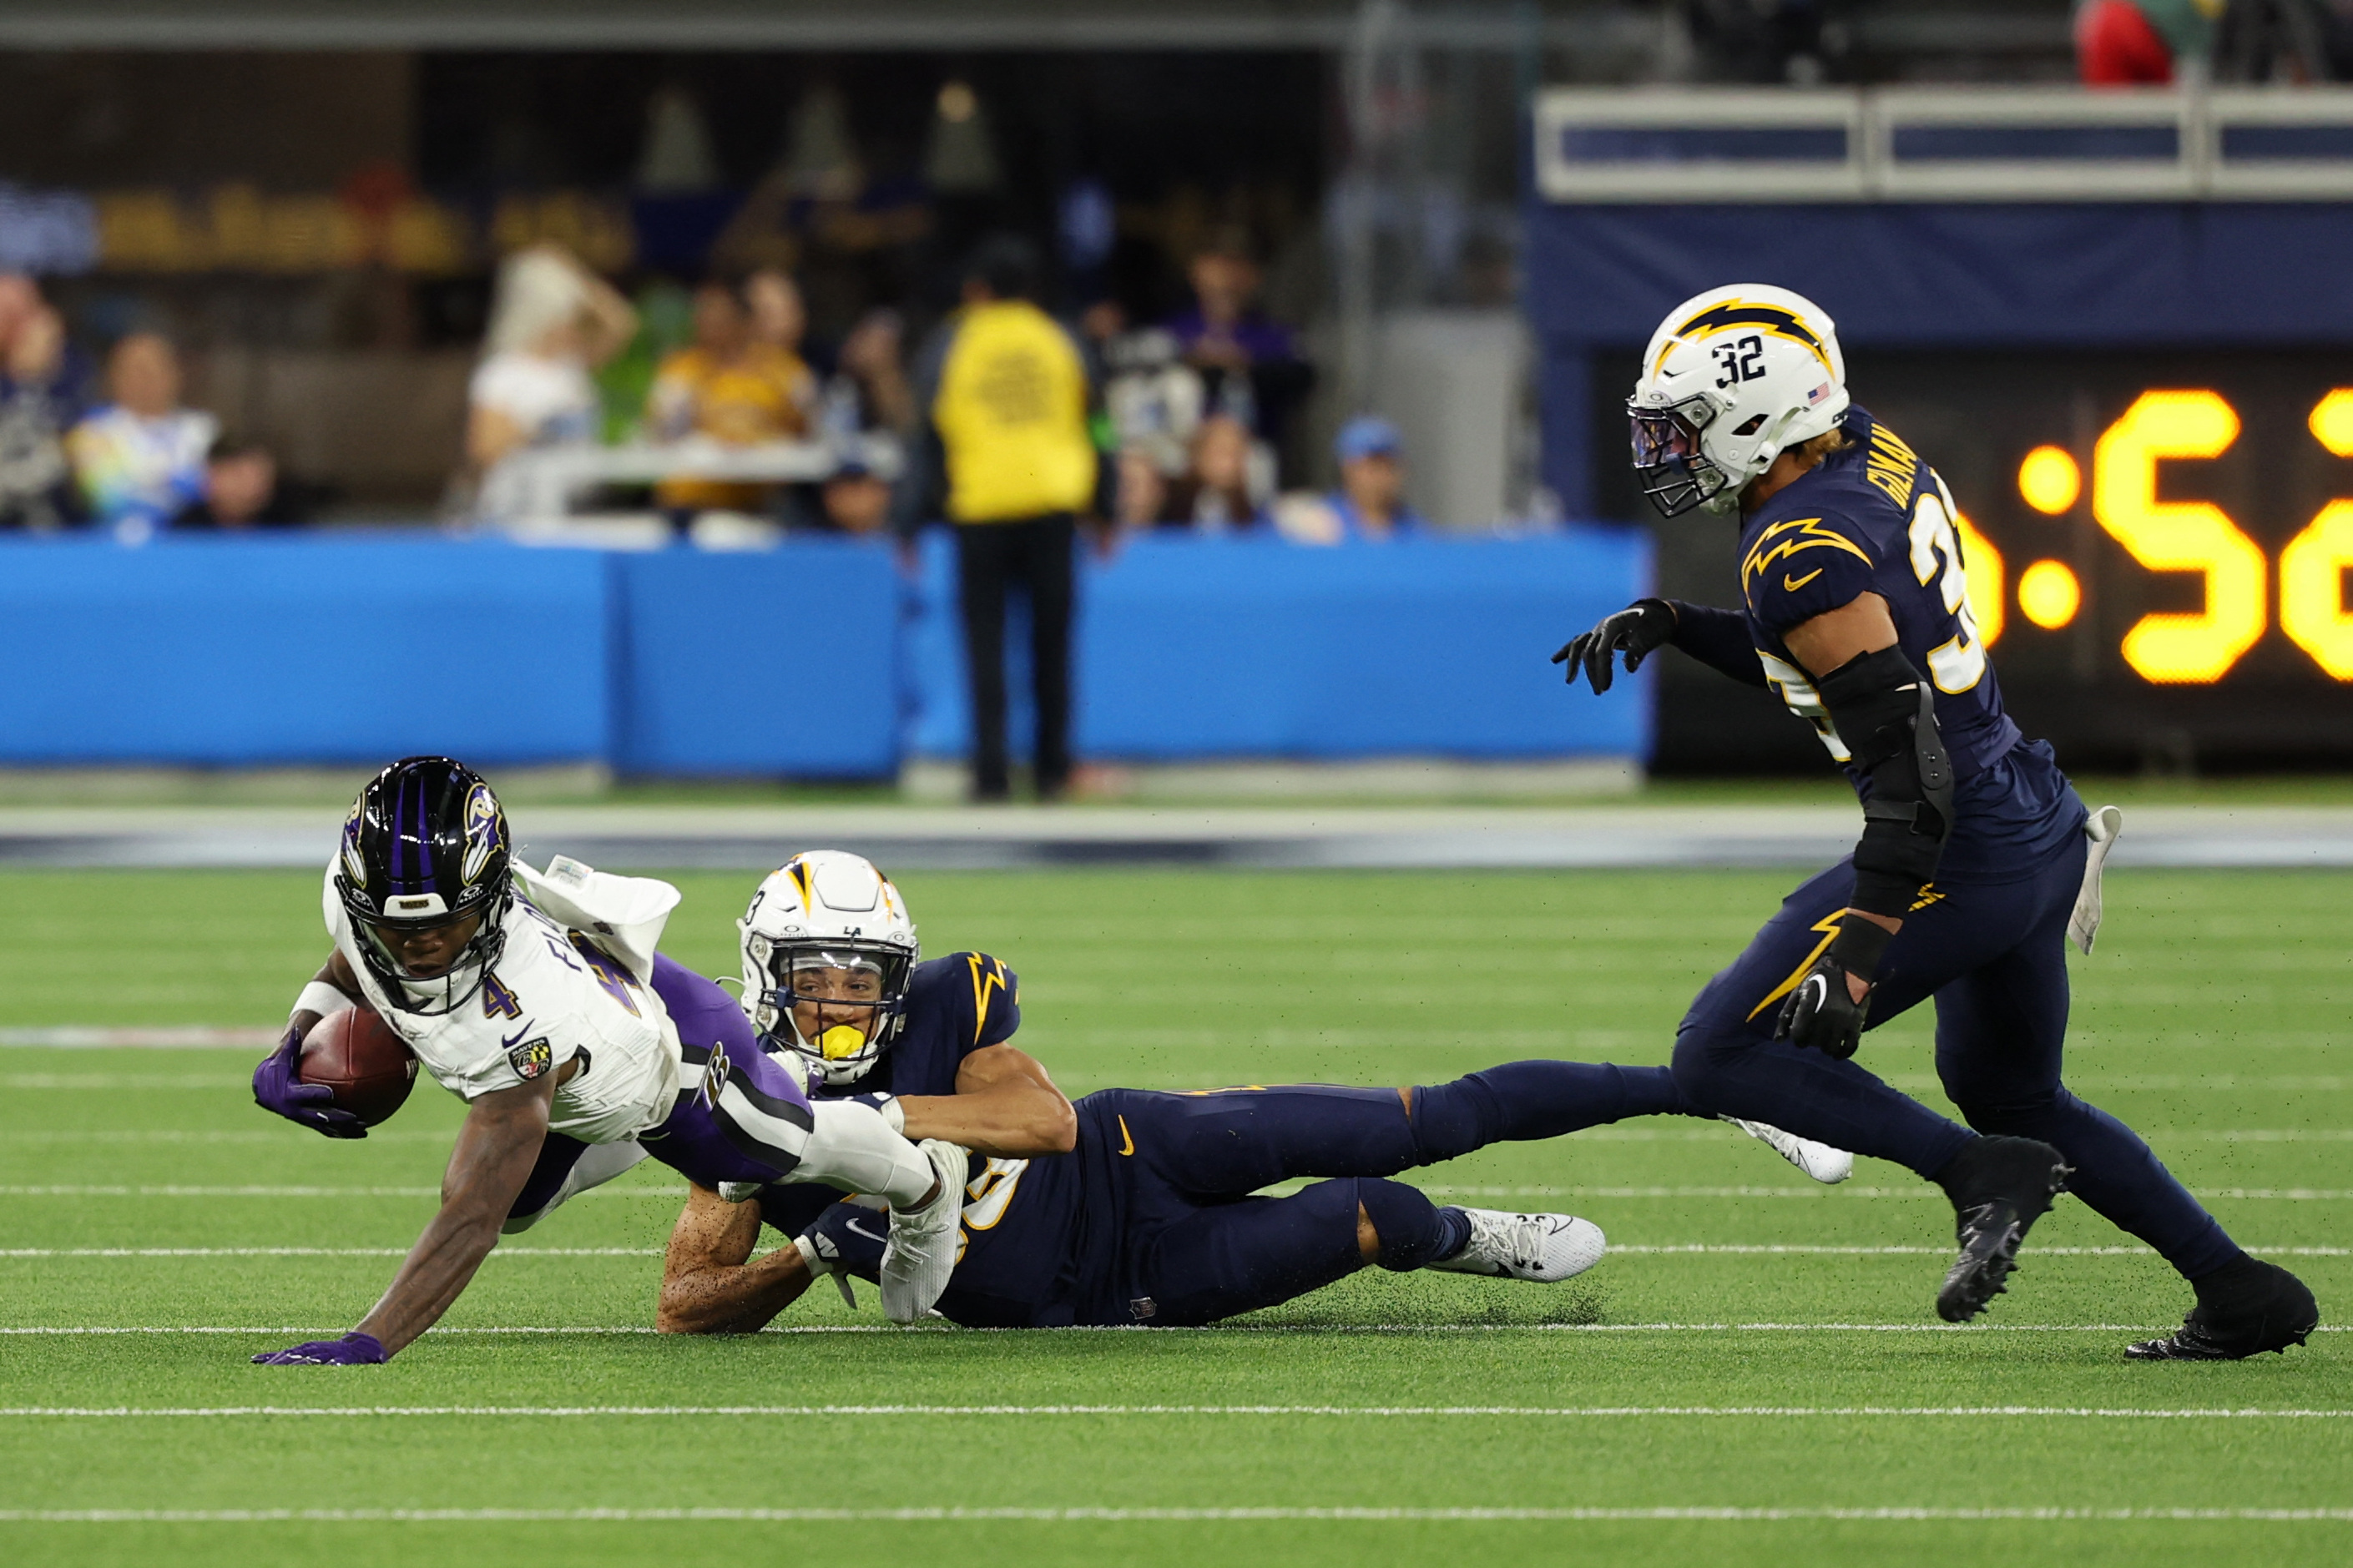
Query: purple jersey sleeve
x: 1805, y: 567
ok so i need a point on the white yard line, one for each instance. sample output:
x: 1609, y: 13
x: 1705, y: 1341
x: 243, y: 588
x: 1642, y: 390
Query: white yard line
x: 264, y: 1332
x: 1111, y: 1515
x: 1367, y: 1412
x: 173, y: 1191
x: 87, y: 1038
x: 1742, y: 1249
x: 313, y: 1252
x: 63, y: 1190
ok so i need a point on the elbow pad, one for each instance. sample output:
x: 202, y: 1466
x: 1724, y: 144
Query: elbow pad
x: 1885, y: 712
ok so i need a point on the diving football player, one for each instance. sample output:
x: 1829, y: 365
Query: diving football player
x: 1130, y: 1208
x: 548, y: 1012
x: 1972, y: 859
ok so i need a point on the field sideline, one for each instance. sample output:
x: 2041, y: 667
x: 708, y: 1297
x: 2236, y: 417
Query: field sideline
x: 1756, y: 1368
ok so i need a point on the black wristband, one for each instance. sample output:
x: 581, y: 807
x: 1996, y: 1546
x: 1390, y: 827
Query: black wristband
x: 1859, y: 946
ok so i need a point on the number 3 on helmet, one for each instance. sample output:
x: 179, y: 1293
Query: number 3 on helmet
x: 1732, y: 378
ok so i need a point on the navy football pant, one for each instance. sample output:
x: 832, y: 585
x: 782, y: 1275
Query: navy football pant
x: 1993, y: 957
x: 1202, y: 1248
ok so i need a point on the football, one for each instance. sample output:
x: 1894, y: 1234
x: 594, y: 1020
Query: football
x: 355, y: 1053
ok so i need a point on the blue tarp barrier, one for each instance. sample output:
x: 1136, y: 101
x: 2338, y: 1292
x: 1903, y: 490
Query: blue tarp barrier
x: 247, y: 652
x: 778, y: 663
x: 814, y: 660
x: 1204, y: 648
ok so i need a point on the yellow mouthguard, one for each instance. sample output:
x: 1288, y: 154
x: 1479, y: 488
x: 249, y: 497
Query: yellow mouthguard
x: 840, y: 1041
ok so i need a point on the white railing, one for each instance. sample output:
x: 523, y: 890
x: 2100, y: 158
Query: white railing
x: 538, y: 484
x: 2009, y: 144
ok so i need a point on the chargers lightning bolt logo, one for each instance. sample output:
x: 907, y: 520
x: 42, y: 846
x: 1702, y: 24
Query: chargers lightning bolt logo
x: 1774, y: 321
x: 1784, y: 540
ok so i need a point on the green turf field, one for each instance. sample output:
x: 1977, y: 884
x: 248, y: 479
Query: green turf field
x: 1696, y: 1372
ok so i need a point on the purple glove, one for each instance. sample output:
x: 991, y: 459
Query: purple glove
x: 275, y: 1088
x: 351, y: 1350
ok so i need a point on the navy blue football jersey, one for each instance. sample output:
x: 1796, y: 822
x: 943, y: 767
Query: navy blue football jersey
x: 1875, y: 518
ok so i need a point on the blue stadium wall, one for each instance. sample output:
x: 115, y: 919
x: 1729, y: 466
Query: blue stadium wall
x: 815, y: 660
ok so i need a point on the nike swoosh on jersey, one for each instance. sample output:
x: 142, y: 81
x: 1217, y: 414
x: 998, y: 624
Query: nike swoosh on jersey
x: 1128, y: 1136
x: 1794, y: 584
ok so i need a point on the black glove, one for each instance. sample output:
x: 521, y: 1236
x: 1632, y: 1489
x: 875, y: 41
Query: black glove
x: 1822, y: 1013
x: 1637, y: 631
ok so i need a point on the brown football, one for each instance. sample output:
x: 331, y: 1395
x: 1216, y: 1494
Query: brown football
x: 355, y: 1053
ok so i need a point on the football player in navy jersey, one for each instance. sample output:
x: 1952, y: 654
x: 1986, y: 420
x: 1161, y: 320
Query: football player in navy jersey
x: 1131, y: 1207
x: 1973, y: 860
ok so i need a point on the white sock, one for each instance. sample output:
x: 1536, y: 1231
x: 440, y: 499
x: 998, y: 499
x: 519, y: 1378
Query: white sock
x: 850, y: 1146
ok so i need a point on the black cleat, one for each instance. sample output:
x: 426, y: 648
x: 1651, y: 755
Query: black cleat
x: 2000, y: 1187
x: 2279, y: 1312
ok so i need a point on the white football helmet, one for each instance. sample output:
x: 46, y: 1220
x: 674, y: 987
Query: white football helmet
x: 1731, y: 378
x: 829, y: 929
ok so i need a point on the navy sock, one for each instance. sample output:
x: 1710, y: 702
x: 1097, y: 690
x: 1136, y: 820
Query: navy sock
x: 1412, y: 1229
x: 1537, y: 1099
x: 1456, y: 1227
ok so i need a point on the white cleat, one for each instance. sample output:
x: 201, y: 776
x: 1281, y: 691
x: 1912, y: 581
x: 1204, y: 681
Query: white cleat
x: 1825, y: 1165
x: 921, y: 1250
x: 1544, y: 1247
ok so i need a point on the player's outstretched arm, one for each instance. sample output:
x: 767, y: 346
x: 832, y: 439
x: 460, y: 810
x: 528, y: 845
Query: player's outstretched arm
x: 277, y: 1084
x: 709, y: 1286
x: 1005, y: 1107
x: 496, y: 1150
x: 1717, y: 638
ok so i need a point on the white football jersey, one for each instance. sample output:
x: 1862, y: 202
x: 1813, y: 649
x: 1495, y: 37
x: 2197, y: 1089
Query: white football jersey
x: 554, y: 995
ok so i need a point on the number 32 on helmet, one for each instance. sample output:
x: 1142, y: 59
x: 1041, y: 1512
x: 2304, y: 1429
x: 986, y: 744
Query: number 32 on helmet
x: 1732, y: 378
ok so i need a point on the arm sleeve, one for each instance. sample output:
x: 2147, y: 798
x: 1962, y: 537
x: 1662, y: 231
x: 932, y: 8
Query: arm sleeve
x: 1806, y: 567
x: 1719, y: 639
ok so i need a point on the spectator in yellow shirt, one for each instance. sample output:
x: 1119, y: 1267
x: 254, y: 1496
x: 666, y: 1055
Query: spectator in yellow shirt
x: 732, y: 386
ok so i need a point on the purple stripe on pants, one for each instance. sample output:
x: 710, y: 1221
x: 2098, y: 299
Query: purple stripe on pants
x: 694, y: 1142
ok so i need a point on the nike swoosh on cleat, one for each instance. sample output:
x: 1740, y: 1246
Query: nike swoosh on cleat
x: 860, y: 1229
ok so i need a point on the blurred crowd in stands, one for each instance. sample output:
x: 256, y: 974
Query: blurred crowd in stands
x: 1188, y: 416
x: 112, y: 446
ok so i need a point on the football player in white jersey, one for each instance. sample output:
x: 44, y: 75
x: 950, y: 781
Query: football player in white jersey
x: 545, y: 1008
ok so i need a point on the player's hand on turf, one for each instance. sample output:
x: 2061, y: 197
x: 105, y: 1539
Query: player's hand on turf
x: 1822, y: 1013
x: 351, y: 1350
x: 1637, y: 631
x: 277, y: 1087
